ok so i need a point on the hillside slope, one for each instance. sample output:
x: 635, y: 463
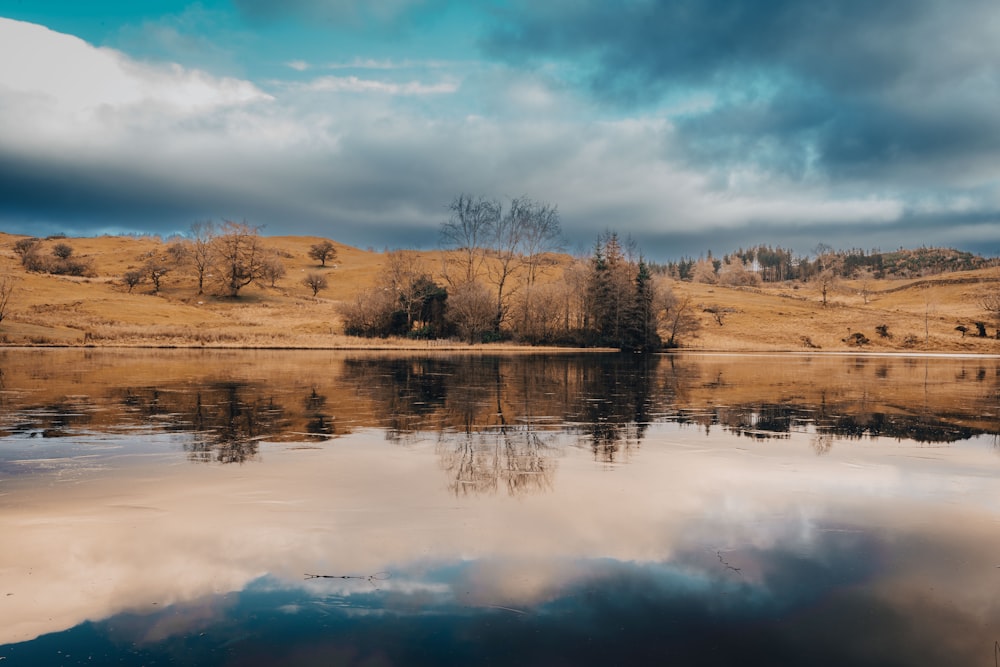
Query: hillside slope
x: 921, y: 315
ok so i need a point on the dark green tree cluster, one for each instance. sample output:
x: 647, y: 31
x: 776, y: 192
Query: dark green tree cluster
x: 622, y: 308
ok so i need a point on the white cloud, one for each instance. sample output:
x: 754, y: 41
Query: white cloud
x: 73, y: 79
x: 365, y: 156
x: 353, y: 84
x: 387, y: 64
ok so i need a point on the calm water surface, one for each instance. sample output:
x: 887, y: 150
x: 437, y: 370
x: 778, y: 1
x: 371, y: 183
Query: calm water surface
x: 168, y: 508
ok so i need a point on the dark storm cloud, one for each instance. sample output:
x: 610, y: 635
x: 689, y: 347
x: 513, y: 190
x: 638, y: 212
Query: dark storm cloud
x: 853, y: 88
x: 375, y: 189
x: 42, y: 197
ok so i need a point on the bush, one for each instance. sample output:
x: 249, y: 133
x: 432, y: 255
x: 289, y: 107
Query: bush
x: 62, y: 251
x: 369, y: 314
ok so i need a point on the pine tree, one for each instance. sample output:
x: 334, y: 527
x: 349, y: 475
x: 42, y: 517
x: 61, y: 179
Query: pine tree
x: 639, y: 331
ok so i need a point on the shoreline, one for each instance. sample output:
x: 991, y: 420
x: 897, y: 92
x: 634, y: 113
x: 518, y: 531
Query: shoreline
x: 510, y: 348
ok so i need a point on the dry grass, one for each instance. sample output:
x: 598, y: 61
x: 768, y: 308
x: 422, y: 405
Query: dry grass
x: 98, y: 311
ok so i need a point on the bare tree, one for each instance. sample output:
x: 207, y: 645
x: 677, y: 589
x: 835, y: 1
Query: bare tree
x: 155, y: 269
x: 866, y: 277
x: 504, y: 241
x: 323, y: 252
x: 239, y: 256
x: 369, y: 313
x: 574, y: 283
x: 471, y: 310
x: 201, y: 250
x: 6, y: 290
x: 132, y: 278
x: 272, y: 269
x: 825, y: 280
x: 487, y: 241
x: 541, y: 312
x: 465, y: 234
x: 315, y: 282
x: 829, y: 264
x: 541, y: 235
x: 679, y: 318
x: 402, y: 271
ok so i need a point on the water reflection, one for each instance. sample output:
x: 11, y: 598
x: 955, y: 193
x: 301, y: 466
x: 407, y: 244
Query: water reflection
x: 513, y: 458
x: 531, y: 509
x: 493, y: 411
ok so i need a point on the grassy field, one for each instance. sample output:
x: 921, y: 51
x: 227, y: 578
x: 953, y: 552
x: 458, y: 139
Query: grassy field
x: 921, y: 314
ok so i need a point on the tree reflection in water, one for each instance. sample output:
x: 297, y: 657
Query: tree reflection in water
x: 614, y: 412
x: 496, y: 418
x: 494, y: 446
x: 319, y: 423
x: 226, y: 419
x: 514, y: 458
x: 229, y: 425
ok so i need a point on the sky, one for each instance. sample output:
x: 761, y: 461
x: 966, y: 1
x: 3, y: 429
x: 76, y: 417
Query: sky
x: 686, y: 126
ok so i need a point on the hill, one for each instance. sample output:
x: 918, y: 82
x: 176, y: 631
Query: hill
x: 97, y: 309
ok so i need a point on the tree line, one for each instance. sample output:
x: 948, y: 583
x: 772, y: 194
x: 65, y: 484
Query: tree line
x: 503, y: 276
x: 767, y: 264
x: 496, y: 254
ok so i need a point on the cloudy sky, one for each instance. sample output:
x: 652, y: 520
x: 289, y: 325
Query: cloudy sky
x: 687, y: 125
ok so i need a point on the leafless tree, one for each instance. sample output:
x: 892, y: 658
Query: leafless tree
x: 574, y: 284
x: 239, y: 256
x: 829, y: 264
x: 541, y: 312
x: 825, y: 280
x: 272, y: 269
x: 487, y: 241
x: 178, y: 253
x: 401, y: 274
x: 866, y: 277
x: 464, y: 233
x: 369, y: 313
x: 155, y: 269
x: 991, y: 304
x: 541, y: 234
x: 323, y: 252
x: 315, y: 282
x: 201, y: 250
x: 679, y: 317
x: 471, y: 310
x: 505, y: 240
x: 132, y: 278
x: 6, y: 290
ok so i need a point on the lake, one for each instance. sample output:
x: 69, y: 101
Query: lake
x: 288, y: 507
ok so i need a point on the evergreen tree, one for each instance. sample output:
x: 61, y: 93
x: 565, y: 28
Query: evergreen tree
x: 639, y: 332
x: 609, y: 291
